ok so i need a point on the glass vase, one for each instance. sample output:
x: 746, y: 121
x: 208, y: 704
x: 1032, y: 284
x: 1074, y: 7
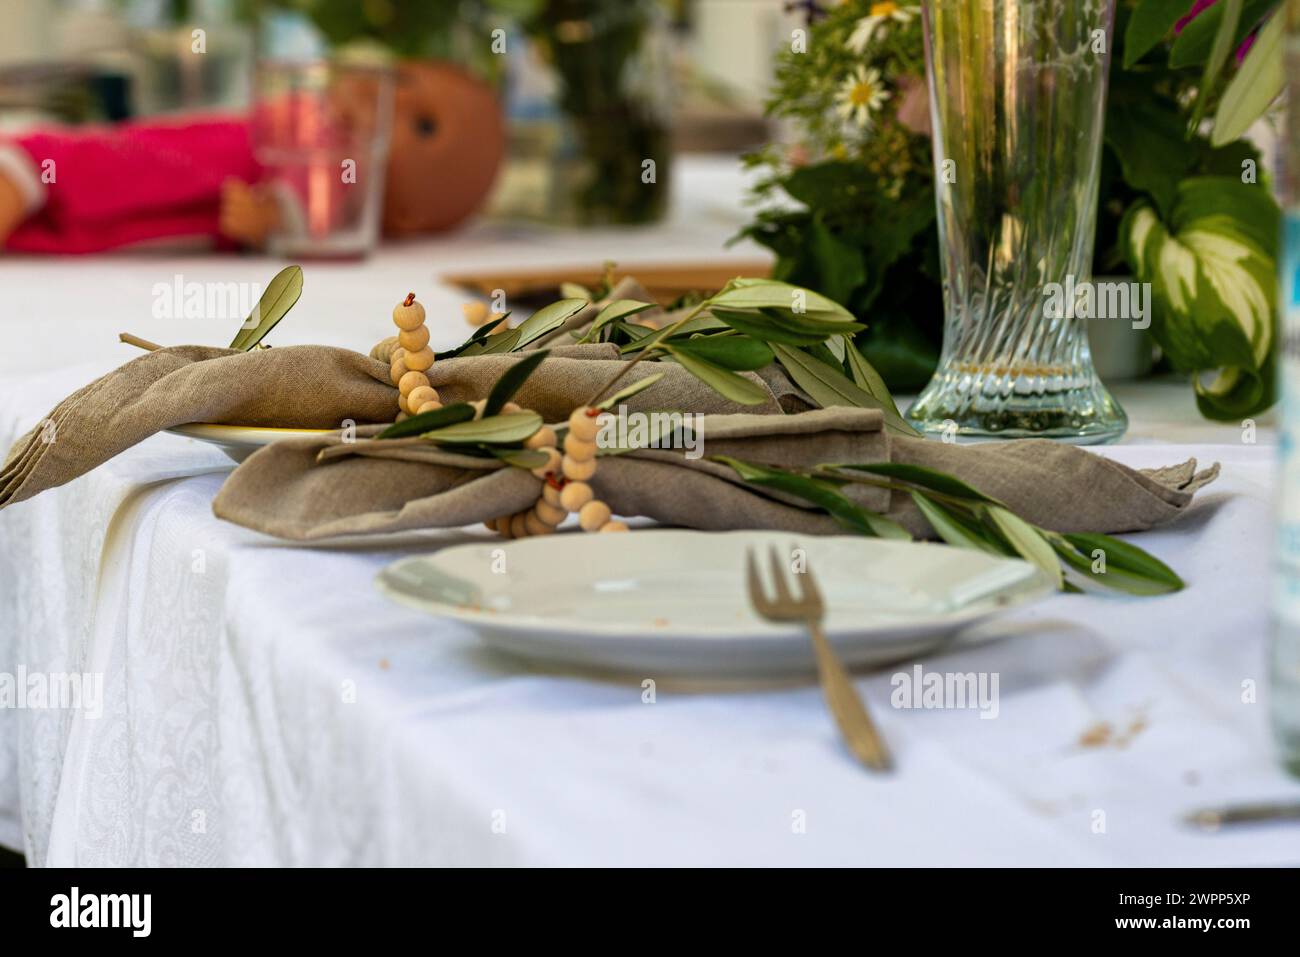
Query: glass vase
x: 1017, y: 100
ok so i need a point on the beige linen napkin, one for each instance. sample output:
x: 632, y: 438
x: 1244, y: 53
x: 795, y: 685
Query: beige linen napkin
x: 314, y: 387
x: 284, y: 490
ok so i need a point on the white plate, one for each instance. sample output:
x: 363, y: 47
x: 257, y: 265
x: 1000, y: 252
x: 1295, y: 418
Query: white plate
x: 240, y: 441
x: 674, y: 602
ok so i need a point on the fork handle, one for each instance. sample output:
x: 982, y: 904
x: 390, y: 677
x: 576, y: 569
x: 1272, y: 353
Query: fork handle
x: 847, y: 707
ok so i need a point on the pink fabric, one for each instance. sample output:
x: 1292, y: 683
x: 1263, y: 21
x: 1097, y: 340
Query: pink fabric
x: 133, y: 183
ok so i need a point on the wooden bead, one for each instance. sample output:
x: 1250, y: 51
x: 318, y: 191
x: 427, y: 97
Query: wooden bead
x: 422, y: 394
x: 503, y: 526
x: 552, y: 515
x: 509, y: 407
x: 577, y: 470
x: 584, y: 426
x: 518, y: 528
x: 476, y: 313
x: 414, y: 340
x: 535, y: 526
x: 490, y: 524
x: 401, y: 417
x: 551, y: 495
x: 419, y: 360
x: 411, y: 381
x: 397, y: 370
x: 541, y: 439
x: 580, y: 449
x: 593, y: 515
x: 407, y: 317
x: 383, y: 350
x: 614, y: 527
x: 575, y: 495
x: 552, y: 463
x: 428, y: 407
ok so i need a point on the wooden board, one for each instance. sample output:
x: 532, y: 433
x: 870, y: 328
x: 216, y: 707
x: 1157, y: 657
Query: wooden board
x: 665, y: 282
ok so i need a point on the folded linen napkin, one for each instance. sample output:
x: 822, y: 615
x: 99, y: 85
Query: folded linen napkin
x: 313, y: 387
x: 291, y: 491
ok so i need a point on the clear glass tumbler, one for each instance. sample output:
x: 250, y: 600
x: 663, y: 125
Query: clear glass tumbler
x: 320, y: 133
x: 1017, y: 98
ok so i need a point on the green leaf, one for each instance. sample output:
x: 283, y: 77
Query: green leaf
x: 1219, y: 51
x: 821, y: 493
x: 1256, y: 85
x: 690, y: 327
x: 498, y: 430
x: 828, y: 387
x: 928, y: 478
x: 1127, y: 562
x: 1150, y: 23
x: 868, y: 379
x: 498, y: 343
x: 618, y: 309
x: 955, y: 529
x: 738, y: 353
x: 839, y: 263
x: 1212, y: 266
x: 622, y: 395
x: 547, y: 319
x: 522, y: 458
x: 728, y: 384
x: 279, y: 297
x: 509, y: 382
x: 761, y: 326
x: 754, y: 294
x: 426, y: 421
x: 1027, y: 541
x: 1193, y: 46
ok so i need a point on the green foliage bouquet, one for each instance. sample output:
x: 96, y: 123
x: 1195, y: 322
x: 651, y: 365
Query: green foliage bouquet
x: 1184, y: 204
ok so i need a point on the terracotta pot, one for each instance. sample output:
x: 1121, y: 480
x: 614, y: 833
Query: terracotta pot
x: 447, y: 144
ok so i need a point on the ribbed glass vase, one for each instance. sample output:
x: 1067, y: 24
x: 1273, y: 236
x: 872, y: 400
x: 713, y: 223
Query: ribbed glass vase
x: 1017, y: 98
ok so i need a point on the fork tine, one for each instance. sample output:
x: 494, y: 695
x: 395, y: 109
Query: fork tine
x: 783, y: 595
x: 809, y: 593
x: 757, y: 597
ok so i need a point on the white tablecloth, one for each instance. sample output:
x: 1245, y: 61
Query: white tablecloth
x: 264, y: 705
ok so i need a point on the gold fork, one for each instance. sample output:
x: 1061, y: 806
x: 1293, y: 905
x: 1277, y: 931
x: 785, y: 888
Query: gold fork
x: 846, y: 706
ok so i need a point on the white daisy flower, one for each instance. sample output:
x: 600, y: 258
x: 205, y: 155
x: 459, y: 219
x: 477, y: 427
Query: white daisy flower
x: 878, y: 14
x: 861, y: 95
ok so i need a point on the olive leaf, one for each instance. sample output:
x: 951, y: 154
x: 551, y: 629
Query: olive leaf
x: 482, y: 332
x: 928, y: 478
x: 426, y: 421
x: 957, y: 529
x: 760, y: 325
x: 728, y: 384
x: 547, y: 319
x: 690, y: 327
x: 510, y: 381
x: 820, y: 492
x: 1122, y: 566
x: 738, y: 353
x: 498, y: 430
x: 869, y: 380
x: 771, y: 294
x: 828, y: 387
x: 279, y: 297
x: 522, y: 458
x: 618, y: 309
x: 1026, y: 540
x: 622, y: 395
